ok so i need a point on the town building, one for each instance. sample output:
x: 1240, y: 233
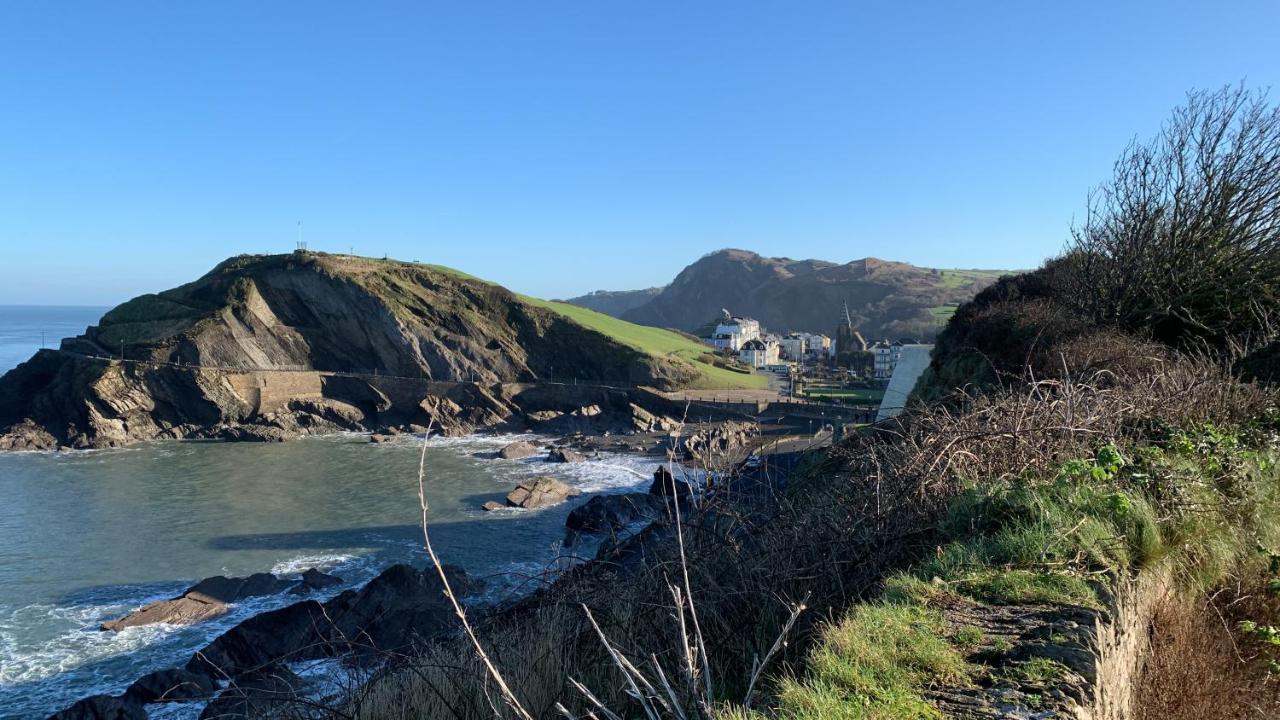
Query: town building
x: 794, y: 346
x: 733, y: 332
x: 818, y: 346
x: 887, y: 355
x: 759, y: 353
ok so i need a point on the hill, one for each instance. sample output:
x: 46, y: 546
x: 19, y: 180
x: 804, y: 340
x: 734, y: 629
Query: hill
x: 615, y: 302
x: 885, y: 298
x: 311, y: 341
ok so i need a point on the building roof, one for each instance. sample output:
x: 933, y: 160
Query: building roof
x: 754, y: 344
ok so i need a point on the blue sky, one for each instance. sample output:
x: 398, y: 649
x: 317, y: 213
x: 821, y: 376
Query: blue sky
x: 560, y: 147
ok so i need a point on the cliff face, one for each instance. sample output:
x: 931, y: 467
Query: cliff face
x: 211, y: 357
x: 885, y: 298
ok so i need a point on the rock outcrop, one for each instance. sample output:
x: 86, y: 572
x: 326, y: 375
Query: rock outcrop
x: 721, y: 442
x: 270, y: 347
x: 398, y: 609
x: 212, y: 597
x: 518, y: 450
x: 103, y: 707
x: 565, y: 455
x: 172, y: 685
x: 610, y: 513
x: 540, y: 492
x: 666, y: 485
x: 260, y: 693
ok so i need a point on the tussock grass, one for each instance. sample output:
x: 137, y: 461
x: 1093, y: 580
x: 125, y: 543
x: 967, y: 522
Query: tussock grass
x: 874, y: 664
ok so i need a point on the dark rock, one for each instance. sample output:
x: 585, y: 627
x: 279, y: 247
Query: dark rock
x: 229, y: 590
x: 313, y: 580
x: 317, y: 580
x: 492, y: 505
x: 296, y: 632
x: 540, y: 492
x: 609, y: 513
x: 173, y: 685
x: 103, y: 707
x: 517, y: 450
x: 260, y: 693
x: 398, y: 608
x: 254, y: 433
x: 565, y: 455
x: 378, y: 438
x: 665, y: 485
x: 395, y: 610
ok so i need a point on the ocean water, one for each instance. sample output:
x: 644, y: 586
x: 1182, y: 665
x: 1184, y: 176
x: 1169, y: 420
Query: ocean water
x: 88, y: 536
x: 24, y: 327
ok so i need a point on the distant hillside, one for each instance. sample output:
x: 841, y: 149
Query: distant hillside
x: 615, y: 302
x: 886, y: 299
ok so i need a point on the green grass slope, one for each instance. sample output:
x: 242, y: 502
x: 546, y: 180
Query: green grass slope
x: 654, y: 341
x: 651, y: 340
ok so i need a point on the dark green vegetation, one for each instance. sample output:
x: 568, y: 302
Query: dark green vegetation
x: 886, y: 299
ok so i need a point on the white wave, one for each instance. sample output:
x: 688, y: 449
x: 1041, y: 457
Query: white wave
x: 298, y: 565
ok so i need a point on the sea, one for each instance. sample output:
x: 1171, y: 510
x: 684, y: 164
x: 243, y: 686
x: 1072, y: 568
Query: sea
x: 88, y: 536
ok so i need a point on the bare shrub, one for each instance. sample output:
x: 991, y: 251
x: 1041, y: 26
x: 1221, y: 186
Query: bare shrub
x: 1184, y: 241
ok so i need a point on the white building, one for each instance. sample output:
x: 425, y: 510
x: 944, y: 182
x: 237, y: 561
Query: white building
x: 794, y: 346
x: 758, y: 353
x: 818, y: 346
x: 733, y: 333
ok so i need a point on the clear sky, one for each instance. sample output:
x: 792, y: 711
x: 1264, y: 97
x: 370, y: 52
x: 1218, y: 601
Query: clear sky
x: 560, y: 147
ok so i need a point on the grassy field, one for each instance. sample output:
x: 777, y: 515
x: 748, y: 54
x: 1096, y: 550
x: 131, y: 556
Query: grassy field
x: 960, y: 278
x: 654, y: 341
x: 833, y: 393
x: 943, y: 313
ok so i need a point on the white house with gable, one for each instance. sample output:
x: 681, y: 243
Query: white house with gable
x: 759, y: 353
x: 733, y: 333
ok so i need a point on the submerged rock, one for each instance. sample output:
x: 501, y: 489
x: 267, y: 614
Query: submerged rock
x: 540, y: 492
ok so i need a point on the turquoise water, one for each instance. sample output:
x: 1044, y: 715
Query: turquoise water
x: 88, y: 536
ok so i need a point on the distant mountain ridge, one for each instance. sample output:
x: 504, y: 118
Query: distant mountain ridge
x: 886, y: 299
x: 615, y: 302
